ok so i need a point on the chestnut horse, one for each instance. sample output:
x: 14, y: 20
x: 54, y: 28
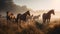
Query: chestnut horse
x: 10, y: 16
x: 47, y: 16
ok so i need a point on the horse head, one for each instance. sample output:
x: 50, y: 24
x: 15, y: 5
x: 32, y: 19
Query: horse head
x: 28, y: 13
x: 52, y: 11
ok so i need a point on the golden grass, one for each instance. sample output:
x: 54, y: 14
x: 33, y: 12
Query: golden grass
x: 28, y: 27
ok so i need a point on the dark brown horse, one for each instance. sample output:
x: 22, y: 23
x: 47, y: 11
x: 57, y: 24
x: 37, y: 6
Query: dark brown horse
x: 47, y: 16
x: 22, y: 16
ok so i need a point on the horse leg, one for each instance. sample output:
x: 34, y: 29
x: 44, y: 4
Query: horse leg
x: 16, y: 20
x: 48, y: 20
x: 19, y: 23
x: 44, y: 20
x: 7, y: 21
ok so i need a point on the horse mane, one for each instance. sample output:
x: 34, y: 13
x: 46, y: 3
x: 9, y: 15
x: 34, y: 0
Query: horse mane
x: 27, y: 13
x: 50, y: 11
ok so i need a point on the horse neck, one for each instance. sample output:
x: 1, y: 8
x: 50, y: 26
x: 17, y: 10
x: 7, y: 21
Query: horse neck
x: 24, y: 14
x: 49, y: 13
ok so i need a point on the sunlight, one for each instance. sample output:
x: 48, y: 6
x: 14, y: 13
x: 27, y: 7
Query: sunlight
x: 56, y: 16
x: 56, y: 4
x: 39, y: 4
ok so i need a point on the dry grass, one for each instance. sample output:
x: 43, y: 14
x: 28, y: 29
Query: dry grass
x: 29, y: 27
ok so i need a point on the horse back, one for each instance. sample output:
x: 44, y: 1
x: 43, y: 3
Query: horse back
x: 46, y: 16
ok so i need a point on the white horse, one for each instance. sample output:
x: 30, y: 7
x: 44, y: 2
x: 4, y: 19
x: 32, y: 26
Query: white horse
x: 36, y: 17
x: 29, y: 17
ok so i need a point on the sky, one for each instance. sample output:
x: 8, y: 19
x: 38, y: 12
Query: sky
x: 40, y: 4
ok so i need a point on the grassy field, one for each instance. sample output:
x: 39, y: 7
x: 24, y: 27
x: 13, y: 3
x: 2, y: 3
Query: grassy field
x: 29, y: 27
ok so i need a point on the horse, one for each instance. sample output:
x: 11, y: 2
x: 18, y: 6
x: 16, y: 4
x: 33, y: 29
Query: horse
x: 47, y: 16
x: 10, y: 16
x: 22, y: 16
x: 29, y: 18
x: 36, y: 17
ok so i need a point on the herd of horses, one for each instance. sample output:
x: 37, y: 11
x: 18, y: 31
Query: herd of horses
x: 10, y: 16
x: 23, y: 17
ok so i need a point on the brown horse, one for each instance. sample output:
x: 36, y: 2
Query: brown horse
x: 10, y: 16
x: 22, y: 16
x: 47, y: 16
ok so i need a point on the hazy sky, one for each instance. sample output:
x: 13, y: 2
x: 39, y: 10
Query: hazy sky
x: 39, y: 4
